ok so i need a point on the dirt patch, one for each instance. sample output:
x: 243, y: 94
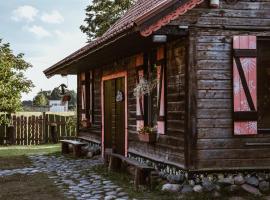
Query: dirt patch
x: 15, y: 162
x: 26, y: 187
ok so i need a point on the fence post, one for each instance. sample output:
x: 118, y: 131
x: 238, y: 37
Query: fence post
x: 45, y: 134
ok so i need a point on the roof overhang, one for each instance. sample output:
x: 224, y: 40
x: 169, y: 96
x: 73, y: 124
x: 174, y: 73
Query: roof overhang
x: 123, y: 43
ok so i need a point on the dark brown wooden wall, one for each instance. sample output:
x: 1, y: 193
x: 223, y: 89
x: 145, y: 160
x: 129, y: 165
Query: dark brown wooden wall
x: 95, y: 131
x: 169, y: 147
x: 211, y: 33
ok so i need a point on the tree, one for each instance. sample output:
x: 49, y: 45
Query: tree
x: 72, y: 104
x: 101, y: 14
x: 56, y: 94
x: 41, y: 99
x: 12, y: 79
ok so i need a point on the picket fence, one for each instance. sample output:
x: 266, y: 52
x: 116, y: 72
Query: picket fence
x: 36, y: 129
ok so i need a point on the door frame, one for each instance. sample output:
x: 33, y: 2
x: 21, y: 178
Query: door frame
x: 122, y: 74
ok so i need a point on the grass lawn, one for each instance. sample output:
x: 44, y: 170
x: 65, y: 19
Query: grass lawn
x: 23, y: 187
x: 14, y: 157
x: 29, y: 150
x: 14, y: 162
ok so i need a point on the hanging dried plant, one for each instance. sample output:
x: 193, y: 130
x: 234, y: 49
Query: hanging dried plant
x: 144, y: 87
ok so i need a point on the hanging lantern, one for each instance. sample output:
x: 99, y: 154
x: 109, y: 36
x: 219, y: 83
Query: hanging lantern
x: 214, y: 3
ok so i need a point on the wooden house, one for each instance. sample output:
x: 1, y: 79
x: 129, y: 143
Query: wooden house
x: 211, y: 105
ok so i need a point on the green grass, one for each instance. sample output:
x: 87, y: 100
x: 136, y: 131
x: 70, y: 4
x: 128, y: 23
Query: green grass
x: 14, y: 162
x: 29, y: 150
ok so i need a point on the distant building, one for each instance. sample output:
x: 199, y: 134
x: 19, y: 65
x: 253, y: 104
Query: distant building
x: 58, y: 106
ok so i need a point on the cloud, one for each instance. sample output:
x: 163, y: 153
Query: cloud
x: 39, y: 31
x: 52, y: 18
x: 51, y: 52
x: 25, y: 12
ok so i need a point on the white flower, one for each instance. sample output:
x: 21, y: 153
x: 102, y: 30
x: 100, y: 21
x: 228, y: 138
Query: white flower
x: 144, y: 87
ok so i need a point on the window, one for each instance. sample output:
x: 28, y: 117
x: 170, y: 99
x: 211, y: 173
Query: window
x: 263, y: 87
x: 151, y: 99
x: 86, y: 98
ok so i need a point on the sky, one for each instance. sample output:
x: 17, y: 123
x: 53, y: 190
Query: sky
x: 46, y: 31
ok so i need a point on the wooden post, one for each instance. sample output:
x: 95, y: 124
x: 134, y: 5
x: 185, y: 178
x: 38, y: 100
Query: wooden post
x: 45, y: 134
x: 53, y: 133
x: 11, y: 133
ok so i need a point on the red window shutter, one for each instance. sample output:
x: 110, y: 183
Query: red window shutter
x: 91, y: 104
x: 160, y: 98
x: 245, y: 85
x: 140, y: 104
x: 83, y: 96
x: 161, y: 90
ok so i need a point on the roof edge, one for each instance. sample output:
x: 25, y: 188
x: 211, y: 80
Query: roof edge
x: 181, y: 10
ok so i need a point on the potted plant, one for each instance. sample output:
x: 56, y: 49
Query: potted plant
x: 66, y: 98
x: 147, y: 134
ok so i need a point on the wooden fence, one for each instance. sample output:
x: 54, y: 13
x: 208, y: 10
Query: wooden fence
x: 36, y: 129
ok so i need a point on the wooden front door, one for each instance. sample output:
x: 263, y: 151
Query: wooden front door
x: 114, y: 115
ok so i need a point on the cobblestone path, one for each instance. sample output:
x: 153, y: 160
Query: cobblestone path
x: 69, y: 175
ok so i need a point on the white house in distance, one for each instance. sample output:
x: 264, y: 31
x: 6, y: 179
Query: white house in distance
x: 58, y: 106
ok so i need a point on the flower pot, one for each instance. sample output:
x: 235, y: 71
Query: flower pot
x: 85, y: 124
x: 66, y: 98
x: 149, y: 138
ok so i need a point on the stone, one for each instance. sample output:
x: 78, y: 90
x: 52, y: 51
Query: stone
x: 216, y: 194
x: 208, y: 185
x: 262, y: 176
x: 191, y: 182
x: 226, y: 181
x: 171, y: 187
x: 174, y: 179
x: 239, y: 179
x: 110, y: 197
x: 186, y: 189
x: 220, y: 176
x: 236, y: 198
x: 90, y: 154
x: 198, y: 188
x: 252, y: 190
x: 233, y: 188
x: 162, y: 175
x: 252, y: 180
x: 210, y: 177
x: 264, y: 186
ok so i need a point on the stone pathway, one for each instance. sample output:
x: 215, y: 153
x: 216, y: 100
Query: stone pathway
x: 71, y: 177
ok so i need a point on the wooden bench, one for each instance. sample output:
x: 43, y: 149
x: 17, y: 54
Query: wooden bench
x: 142, y: 171
x: 76, y: 146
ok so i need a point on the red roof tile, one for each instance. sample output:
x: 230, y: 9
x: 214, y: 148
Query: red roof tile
x: 140, y: 11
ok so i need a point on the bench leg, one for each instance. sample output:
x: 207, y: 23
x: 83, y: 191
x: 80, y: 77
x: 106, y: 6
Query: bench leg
x: 65, y: 149
x: 137, y: 179
x: 77, y: 151
x: 114, y: 163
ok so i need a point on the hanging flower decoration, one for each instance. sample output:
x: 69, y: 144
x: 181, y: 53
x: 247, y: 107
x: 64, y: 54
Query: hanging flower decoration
x: 144, y: 87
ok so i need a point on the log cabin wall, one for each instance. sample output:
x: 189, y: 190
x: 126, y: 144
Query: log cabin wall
x: 211, y: 33
x: 93, y: 132
x: 169, y: 148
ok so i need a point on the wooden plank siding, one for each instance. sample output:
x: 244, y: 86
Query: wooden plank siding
x: 170, y: 146
x: 216, y: 148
